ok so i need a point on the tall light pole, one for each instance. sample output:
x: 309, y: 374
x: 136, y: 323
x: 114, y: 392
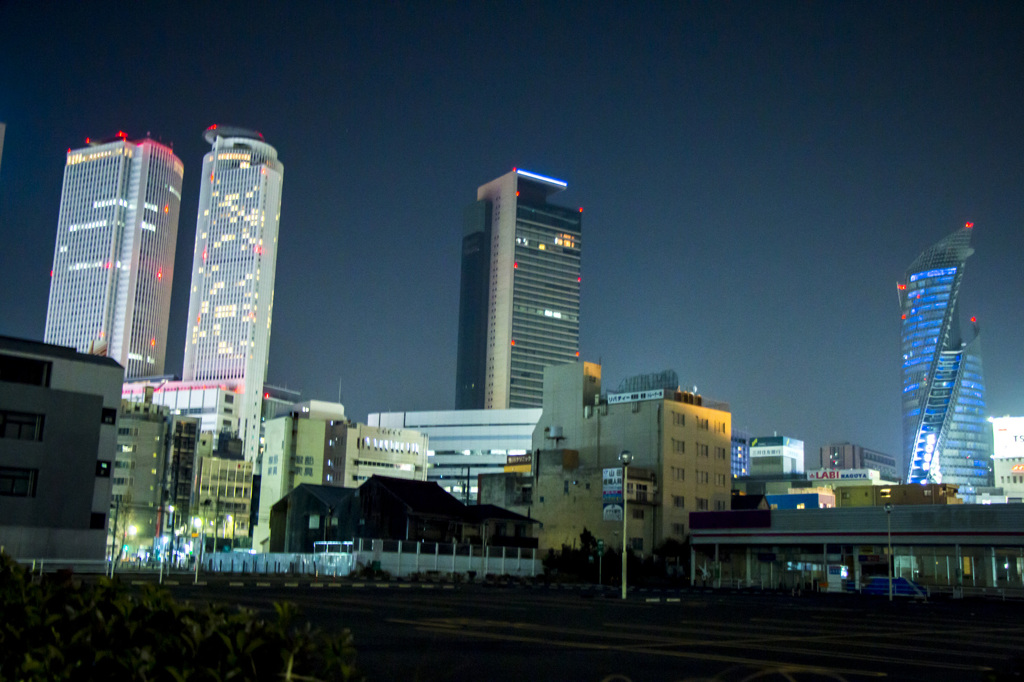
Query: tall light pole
x: 625, y: 457
x: 888, y: 529
x: 200, y: 527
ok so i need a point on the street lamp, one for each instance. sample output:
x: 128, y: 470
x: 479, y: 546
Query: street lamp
x: 888, y: 528
x: 201, y: 536
x: 625, y: 457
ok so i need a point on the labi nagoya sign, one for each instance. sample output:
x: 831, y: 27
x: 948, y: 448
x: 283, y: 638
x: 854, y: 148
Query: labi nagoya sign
x: 841, y: 475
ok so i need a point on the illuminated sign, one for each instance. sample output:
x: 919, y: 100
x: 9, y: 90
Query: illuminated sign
x: 842, y: 475
x: 516, y: 460
x: 657, y: 394
x: 943, y: 272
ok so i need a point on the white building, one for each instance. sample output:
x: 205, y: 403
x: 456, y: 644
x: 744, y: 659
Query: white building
x: 467, y: 443
x: 214, y: 405
x: 315, y: 443
x: 232, y: 295
x: 1008, y: 456
x: 770, y: 455
x: 113, y: 262
x: 519, y: 305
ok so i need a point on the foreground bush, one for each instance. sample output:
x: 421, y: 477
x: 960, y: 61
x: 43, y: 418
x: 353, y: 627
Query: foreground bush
x: 56, y: 631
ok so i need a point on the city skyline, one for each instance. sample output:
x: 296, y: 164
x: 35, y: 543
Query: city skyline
x: 754, y: 179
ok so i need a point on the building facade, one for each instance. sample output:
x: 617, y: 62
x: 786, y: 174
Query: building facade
x: 740, y: 453
x: 945, y: 435
x: 519, y: 302
x: 222, y: 495
x: 232, y: 295
x: 837, y: 456
x: 113, y: 262
x: 464, y: 444
x: 58, y: 431
x: 774, y: 455
x: 680, y: 445
x: 315, y: 443
x: 153, y: 468
x: 1008, y: 457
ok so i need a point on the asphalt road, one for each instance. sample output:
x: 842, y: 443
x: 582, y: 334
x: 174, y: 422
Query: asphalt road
x: 471, y: 632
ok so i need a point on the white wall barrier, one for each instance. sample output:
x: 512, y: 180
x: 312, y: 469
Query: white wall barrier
x: 398, y: 558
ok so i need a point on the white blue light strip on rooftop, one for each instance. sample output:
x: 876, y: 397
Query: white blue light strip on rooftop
x: 542, y: 178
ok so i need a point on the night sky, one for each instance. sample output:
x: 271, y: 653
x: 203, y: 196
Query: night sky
x: 755, y: 178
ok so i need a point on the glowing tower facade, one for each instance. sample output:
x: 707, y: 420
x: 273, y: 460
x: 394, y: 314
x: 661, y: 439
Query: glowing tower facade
x: 944, y: 429
x: 232, y: 297
x: 519, y: 305
x: 113, y: 263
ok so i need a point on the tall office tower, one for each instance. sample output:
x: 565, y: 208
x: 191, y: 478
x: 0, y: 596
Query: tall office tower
x: 944, y: 428
x: 519, y: 306
x: 113, y: 264
x: 232, y: 297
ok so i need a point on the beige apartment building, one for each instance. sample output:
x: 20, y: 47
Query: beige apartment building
x: 315, y: 443
x: 680, y: 446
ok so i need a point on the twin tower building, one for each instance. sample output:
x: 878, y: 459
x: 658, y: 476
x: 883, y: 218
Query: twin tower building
x: 113, y: 267
x: 113, y: 263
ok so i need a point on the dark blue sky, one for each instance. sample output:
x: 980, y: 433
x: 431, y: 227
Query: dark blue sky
x: 755, y: 178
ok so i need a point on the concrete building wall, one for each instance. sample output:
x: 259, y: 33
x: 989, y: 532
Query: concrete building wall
x: 57, y: 446
x: 910, y: 494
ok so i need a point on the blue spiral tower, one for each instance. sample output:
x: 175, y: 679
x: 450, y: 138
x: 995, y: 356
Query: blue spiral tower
x: 944, y: 428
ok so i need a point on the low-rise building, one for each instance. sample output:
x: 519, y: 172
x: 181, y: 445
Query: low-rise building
x: 316, y: 444
x: 941, y: 547
x: 680, y: 448
x: 910, y: 493
x: 385, y: 508
x: 58, y: 431
x: 839, y: 456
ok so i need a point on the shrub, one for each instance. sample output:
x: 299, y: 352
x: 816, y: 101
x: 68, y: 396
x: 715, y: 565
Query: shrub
x: 56, y: 630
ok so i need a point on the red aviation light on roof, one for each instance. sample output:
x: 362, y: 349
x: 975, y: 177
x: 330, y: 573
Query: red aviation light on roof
x: 160, y: 274
x: 901, y: 287
x: 152, y: 342
x: 266, y: 395
x: 969, y: 225
x: 513, y: 342
x: 51, y: 273
x: 973, y: 320
x: 122, y: 134
x: 167, y: 208
x: 581, y: 209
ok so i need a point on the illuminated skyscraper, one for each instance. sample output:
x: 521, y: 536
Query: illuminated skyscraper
x: 944, y: 428
x: 110, y: 287
x: 232, y: 297
x: 519, y: 305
